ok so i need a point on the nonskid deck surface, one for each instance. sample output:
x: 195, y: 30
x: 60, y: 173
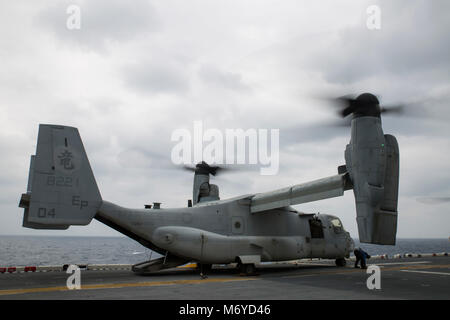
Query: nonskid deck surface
x: 403, y: 278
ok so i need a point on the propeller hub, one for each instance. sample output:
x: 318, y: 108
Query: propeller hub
x: 204, y: 168
x: 366, y: 105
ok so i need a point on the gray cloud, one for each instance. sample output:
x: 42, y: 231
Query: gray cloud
x: 102, y: 21
x: 222, y: 79
x: 152, y: 77
x: 167, y: 66
x: 412, y: 39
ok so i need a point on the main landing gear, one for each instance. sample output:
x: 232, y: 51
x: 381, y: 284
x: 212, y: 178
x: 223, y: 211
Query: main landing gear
x: 340, y: 262
x: 247, y: 269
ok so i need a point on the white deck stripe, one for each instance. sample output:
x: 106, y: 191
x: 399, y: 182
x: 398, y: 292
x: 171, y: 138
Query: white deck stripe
x: 428, y: 272
x: 393, y: 263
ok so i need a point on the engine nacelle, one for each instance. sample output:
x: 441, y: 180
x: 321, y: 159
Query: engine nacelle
x: 372, y: 160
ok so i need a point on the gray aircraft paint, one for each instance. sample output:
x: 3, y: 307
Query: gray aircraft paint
x: 372, y: 159
x: 248, y: 228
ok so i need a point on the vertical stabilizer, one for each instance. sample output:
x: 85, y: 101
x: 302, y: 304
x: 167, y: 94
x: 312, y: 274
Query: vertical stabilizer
x: 61, y: 186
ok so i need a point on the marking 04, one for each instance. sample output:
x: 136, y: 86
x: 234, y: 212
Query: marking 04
x: 44, y: 213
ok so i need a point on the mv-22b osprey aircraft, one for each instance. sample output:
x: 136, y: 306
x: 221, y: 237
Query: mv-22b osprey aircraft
x: 247, y: 229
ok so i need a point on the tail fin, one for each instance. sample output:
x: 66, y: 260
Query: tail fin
x: 61, y: 186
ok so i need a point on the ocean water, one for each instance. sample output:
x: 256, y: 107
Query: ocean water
x: 53, y: 250
x: 407, y: 246
x: 57, y: 250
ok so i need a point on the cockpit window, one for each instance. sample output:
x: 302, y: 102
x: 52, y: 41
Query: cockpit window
x: 337, y: 225
x: 316, y: 228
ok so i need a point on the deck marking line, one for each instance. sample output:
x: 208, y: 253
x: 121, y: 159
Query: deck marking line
x: 124, y: 285
x: 394, y: 263
x: 428, y: 272
x: 359, y: 270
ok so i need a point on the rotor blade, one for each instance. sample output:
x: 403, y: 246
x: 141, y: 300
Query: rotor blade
x: 393, y: 109
x: 188, y: 168
x: 341, y: 123
x: 340, y: 101
x: 218, y: 170
x: 344, y: 100
x: 234, y: 168
x: 344, y: 104
x: 349, y: 110
x: 433, y: 200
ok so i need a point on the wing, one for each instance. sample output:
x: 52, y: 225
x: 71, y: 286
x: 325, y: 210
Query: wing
x: 325, y: 188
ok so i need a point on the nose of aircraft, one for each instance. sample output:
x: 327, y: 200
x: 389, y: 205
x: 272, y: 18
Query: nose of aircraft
x: 350, y: 243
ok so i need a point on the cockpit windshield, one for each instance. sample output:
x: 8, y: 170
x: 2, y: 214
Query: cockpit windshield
x: 337, y: 225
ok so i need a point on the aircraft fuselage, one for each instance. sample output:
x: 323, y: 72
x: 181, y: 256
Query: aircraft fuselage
x: 223, y: 231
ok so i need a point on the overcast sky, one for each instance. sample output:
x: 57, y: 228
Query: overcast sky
x: 138, y: 70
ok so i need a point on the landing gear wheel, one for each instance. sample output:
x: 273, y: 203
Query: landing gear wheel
x: 247, y: 269
x: 340, y: 262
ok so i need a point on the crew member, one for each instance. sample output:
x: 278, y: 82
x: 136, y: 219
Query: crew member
x: 361, y: 255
